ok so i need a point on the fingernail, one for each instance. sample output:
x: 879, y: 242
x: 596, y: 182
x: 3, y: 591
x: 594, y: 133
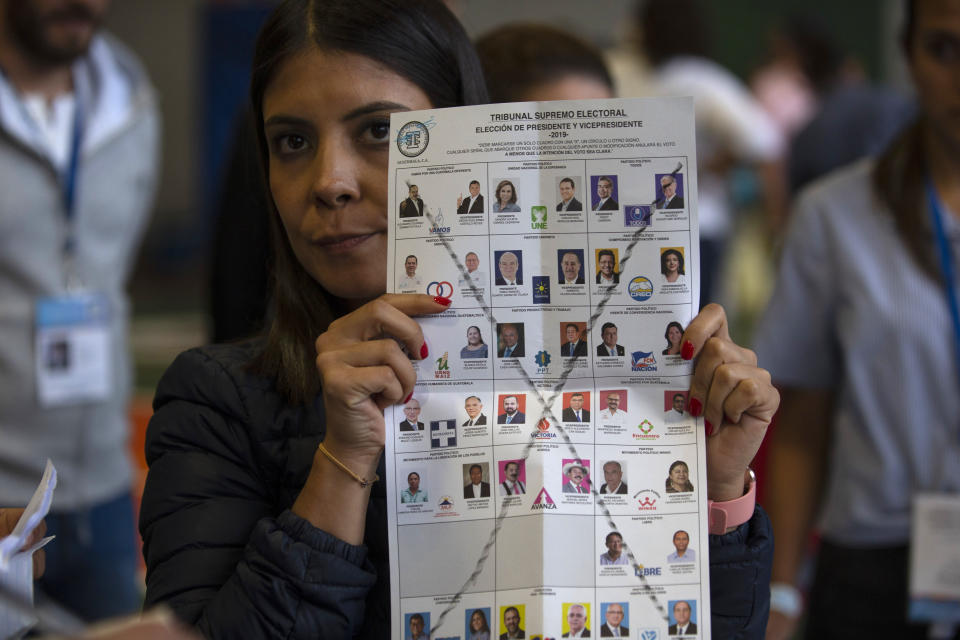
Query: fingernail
x: 708, y: 426
x: 444, y: 301
x: 686, y: 352
x: 695, y: 407
x: 424, y: 352
x: 407, y: 399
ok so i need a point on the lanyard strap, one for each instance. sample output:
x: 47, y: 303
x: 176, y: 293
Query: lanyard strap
x: 946, y: 266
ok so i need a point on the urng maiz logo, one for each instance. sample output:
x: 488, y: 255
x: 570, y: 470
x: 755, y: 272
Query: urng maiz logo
x: 643, y: 361
x: 443, y: 366
x: 413, y: 138
x: 543, y: 501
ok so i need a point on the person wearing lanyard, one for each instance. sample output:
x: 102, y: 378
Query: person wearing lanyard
x: 77, y: 106
x: 862, y: 335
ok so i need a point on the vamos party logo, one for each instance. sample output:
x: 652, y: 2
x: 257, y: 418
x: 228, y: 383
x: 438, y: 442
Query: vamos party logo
x: 438, y: 225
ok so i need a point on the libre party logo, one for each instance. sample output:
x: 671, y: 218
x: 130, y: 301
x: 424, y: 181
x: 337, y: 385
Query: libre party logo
x: 413, y: 138
x: 538, y: 217
x: 640, y: 289
x: 543, y: 501
x: 643, y: 361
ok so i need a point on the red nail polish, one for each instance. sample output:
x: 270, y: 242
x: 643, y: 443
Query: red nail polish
x: 407, y: 399
x: 695, y: 407
x: 686, y: 352
x: 444, y: 301
x: 424, y: 352
x: 708, y: 427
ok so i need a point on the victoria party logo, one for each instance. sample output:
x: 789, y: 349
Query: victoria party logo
x: 413, y: 138
x: 643, y: 361
x: 538, y: 217
x: 543, y: 430
x: 640, y: 289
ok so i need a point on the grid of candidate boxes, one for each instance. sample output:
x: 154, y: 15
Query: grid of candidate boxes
x: 528, y: 251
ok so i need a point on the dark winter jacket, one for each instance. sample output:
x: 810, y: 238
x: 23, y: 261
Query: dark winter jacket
x: 228, y: 458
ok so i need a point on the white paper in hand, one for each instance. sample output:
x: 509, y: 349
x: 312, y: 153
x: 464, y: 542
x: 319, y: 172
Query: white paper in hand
x: 16, y: 563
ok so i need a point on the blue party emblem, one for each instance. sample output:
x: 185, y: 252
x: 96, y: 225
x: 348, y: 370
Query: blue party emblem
x: 541, y: 290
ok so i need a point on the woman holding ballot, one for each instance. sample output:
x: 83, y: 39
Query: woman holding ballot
x: 262, y: 514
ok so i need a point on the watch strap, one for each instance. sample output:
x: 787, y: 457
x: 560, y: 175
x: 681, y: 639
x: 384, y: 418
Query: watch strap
x: 733, y: 513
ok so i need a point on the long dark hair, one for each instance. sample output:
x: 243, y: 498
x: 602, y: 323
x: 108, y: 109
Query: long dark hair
x: 899, y: 175
x: 419, y: 40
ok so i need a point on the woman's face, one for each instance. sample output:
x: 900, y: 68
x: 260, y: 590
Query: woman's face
x: 473, y: 336
x: 935, y: 64
x: 328, y: 146
x: 678, y: 477
x: 674, y: 335
x: 672, y: 262
x: 476, y: 621
x: 505, y: 194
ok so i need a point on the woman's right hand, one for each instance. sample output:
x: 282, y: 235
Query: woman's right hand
x: 364, y: 369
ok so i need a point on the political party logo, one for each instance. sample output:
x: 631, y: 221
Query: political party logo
x: 443, y: 434
x: 543, y: 501
x: 413, y: 138
x: 646, y: 499
x: 541, y: 289
x: 543, y: 430
x: 636, y: 215
x: 538, y: 217
x: 445, y: 503
x: 441, y: 288
x: 649, y: 634
x: 443, y: 366
x: 543, y: 361
x: 643, y: 361
x: 640, y: 289
x: 645, y: 428
x: 438, y: 226
x: 643, y: 572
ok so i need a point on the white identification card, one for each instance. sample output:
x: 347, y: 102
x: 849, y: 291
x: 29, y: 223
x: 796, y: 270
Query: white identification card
x: 935, y: 558
x: 72, y: 349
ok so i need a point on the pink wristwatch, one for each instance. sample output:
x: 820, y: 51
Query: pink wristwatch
x: 734, y: 513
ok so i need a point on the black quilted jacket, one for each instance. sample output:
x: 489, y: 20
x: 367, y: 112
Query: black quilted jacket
x: 227, y: 459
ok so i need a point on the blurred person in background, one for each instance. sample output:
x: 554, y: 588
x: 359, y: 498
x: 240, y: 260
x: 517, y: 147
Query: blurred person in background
x: 846, y: 117
x: 860, y: 338
x: 523, y: 61
x: 78, y: 168
x: 732, y: 128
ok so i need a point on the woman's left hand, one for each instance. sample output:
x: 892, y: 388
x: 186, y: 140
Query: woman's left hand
x: 734, y: 396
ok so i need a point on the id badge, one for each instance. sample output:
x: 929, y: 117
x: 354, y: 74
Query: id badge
x: 935, y: 558
x: 72, y: 350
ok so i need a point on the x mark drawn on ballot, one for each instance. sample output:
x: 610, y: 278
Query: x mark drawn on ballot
x: 547, y: 413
